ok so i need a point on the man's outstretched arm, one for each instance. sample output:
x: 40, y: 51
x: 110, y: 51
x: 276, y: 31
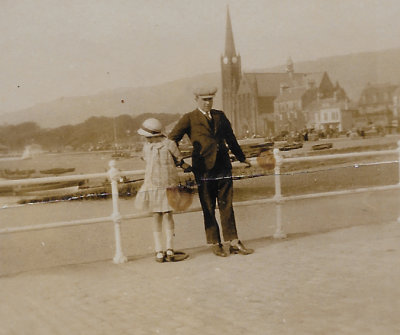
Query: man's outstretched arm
x: 233, y: 144
x: 180, y: 129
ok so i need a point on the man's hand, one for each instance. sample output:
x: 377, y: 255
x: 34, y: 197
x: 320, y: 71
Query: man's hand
x: 186, y: 168
x: 247, y: 162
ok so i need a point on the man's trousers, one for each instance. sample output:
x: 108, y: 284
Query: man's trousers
x: 215, y: 186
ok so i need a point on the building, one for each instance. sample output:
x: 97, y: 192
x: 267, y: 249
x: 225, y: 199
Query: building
x: 330, y: 115
x: 231, y: 72
x: 264, y: 103
x: 396, y: 107
x: 292, y: 101
x: 378, y: 104
x: 376, y: 98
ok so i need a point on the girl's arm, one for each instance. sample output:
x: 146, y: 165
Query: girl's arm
x: 144, y: 151
x: 177, y: 155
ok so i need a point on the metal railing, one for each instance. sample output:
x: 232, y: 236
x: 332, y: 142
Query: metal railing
x: 114, y: 176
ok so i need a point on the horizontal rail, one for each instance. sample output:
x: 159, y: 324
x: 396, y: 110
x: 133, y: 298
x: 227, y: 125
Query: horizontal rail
x: 132, y: 173
x: 198, y: 209
x: 316, y: 195
x: 43, y: 180
x: 334, y: 156
x: 55, y: 225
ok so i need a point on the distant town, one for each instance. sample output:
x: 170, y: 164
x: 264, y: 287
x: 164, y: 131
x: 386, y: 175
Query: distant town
x: 302, y: 106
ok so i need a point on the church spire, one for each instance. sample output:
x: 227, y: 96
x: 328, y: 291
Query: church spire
x: 289, y: 65
x: 229, y: 42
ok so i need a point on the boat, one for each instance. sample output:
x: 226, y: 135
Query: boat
x: 24, y: 189
x: 292, y: 146
x: 57, y: 171
x: 255, y: 150
x: 63, y: 191
x: 121, y: 154
x: 322, y: 146
x: 16, y: 174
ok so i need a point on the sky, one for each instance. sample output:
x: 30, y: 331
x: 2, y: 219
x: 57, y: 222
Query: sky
x: 58, y: 48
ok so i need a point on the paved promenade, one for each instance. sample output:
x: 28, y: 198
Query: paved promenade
x: 345, y: 281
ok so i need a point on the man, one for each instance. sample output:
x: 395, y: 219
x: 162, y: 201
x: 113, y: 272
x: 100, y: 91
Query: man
x: 209, y: 131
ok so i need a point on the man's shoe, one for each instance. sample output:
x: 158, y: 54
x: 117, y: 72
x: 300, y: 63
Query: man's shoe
x: 240, y: 249
x: 218, y: 250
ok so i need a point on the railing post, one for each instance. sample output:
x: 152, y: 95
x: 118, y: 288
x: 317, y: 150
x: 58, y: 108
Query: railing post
x: 278, y: 195
x: 113, y: 174
x: 398, y: 157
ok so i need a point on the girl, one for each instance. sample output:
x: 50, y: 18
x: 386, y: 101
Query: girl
x: 161, y: 156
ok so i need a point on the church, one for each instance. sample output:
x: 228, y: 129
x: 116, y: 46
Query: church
x: 264, y: 103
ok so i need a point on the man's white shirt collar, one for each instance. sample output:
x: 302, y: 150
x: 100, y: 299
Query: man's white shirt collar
x: 208, y: 115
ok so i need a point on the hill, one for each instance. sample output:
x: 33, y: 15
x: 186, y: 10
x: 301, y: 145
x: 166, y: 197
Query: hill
x: 172, y: 97
x: 353, y: 72
x: 96, y: 133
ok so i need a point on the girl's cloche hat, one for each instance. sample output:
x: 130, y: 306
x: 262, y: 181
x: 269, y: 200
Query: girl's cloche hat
x: 151, y: 128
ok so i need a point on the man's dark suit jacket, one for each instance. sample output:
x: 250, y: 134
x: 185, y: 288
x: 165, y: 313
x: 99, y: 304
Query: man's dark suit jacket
x: 208, y: 139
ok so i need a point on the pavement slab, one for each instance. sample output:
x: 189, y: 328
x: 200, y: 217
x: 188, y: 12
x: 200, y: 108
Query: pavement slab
x: 343, y: 281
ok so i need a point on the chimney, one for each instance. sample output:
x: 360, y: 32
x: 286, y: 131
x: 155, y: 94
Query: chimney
x: 283, y: 87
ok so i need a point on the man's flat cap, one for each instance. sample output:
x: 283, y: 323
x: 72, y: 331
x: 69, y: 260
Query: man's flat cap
x: 205, y: 92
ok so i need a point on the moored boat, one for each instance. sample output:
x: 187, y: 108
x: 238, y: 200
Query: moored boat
x: 57, y: 171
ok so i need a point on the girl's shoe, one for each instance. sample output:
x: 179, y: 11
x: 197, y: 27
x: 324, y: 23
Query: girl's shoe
x: 170, y: 255
x: 160, y: 257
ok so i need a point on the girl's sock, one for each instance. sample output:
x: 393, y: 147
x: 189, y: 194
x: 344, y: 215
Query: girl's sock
x: 157, y: 231
x: 170, y: 231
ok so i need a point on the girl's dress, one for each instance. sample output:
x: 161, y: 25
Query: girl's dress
x: 160, y: 174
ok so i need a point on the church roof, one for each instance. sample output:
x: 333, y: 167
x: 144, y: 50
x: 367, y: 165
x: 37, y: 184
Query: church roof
x: 291, y: 93
x: 264, y: 84
x: 314, y: 76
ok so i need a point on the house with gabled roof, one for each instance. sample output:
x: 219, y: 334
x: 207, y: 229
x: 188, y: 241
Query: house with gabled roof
x: 378, y: 104
x: 376, y: 98
x: 290, y: 107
